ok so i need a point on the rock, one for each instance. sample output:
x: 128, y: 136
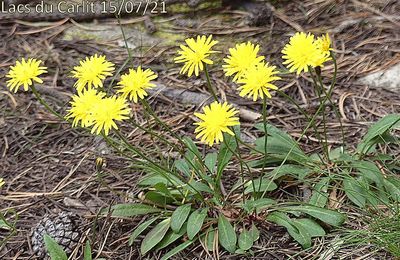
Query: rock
x: 389, y: 79
x: 102, y: 33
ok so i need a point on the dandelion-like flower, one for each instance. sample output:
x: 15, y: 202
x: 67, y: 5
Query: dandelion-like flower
x: 215, y: 121
x: 92, y: 71
x: 242, y: 57
x: 302, y: 51
x: 324, y: 43
x: 107, y: 111
x: 83, y: 105
x: 257, y: 81
x: 24, y: 73
x: 195, y: 54
x: 134, y: 84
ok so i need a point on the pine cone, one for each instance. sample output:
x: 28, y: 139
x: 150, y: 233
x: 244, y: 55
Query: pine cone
x: 63, y: 228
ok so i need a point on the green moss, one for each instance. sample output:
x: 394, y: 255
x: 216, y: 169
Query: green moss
x: 184, y: 8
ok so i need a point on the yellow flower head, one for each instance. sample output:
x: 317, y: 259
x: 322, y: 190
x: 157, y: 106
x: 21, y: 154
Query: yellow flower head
x: 324, y: 43
x: 257, y: 80
x: 301, y: 52
x: 107, y: 111
x: 216, y: 120
x: 242, y: 57
x: 82, y: 107
x: 91, y: 72
x: 135, y: 83
x: 24, y: 73
x: 195, y: 54
x: 1, y: 182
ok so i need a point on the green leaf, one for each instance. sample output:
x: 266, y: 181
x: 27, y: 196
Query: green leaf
x: 328, y: 216
x: 209, y: 239
x: 355, y: 191
x: 298, y: 233
x: 163, y: 189
x: 226, y: 234
x: 139, y: 230
x: 255, y: 233
x: 266, y: 185
x: 87, y: 254
x: 158, y: 198
x: 210, y: 161
x: 130, y: 210
x: 56, y: 252
x: 224, y: 155
x: 393, y: 188
x: 369, y: 170
x: 177, y: 249
x: 193, y: 156
x: 245, y: 240
x: 257, y: 205
x: 270, y: 160
x: 171, y: 237
x: 155, y: 236
x: 154, y: 178
x: 179, y: 217
x: 297, y: 171
x: 183, y: 167
x: 376, y: 131
x: 4, y: 225
x: 199, y: 186
x: 319, y: 197
x: 240, y: 251
x: 312, y: 227
x: 195, y: 222
x: 193, y: 150
x: 280, y: 144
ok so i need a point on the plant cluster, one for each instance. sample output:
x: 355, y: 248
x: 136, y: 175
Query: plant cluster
x: 185, y: 198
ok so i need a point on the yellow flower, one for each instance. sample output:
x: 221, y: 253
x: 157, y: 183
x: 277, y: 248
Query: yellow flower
x: 195, y: 54
x: 135, y: 83
x: 216, y: 120
x: 242, y: 57
x: 301, y: 52
x: 1, y: 182
x: 257, y: 80
x: 82, y: 107
x: 107, y: 111
x: 324, y: 43
x: 24, y: 73
x: 91, y: 72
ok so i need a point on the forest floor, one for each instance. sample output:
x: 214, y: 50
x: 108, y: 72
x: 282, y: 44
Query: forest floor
x: 49, y: 167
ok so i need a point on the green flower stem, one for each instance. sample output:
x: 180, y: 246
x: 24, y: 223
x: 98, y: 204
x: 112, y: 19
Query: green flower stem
x: 304, y: 113
x: 44, y: 103
x: 163, y: 170
x: 210, y: 88
x: 241, y: 162
x: 124, y: 38
x: 329, y: 95
x: 169, y: 130
x: 318, y: 90
x: 264, y: 118
x: 11, y: 226
x: 156, y: 135
x: 311, y: 122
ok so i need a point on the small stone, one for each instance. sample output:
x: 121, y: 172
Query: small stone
x: 388, y: 79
